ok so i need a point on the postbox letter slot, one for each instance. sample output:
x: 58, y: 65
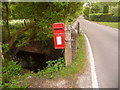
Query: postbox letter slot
x: 58, y: 29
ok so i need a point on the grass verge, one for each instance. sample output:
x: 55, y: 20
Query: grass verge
x: 110, y: 24
x: 78, y: 63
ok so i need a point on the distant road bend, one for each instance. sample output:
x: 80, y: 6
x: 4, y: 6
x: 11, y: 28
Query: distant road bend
x: 104, y: 44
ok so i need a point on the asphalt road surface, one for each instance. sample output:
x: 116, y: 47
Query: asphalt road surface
x: 104, y: 44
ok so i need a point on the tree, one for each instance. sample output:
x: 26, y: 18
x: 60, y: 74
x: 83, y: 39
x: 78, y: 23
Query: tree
x: 102, y: 7
x: 96, y: 8
x: 40, y: 15
x: 6, y: 16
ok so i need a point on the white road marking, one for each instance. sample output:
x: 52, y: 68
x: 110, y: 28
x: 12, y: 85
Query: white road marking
x: 76, y: 31
x: 92, y: 65
x: 72, y: 26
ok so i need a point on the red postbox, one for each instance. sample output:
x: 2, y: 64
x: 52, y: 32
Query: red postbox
x: 59, y: 35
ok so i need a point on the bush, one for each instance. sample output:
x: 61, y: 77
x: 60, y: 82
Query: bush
x: 5, y: 48
x: 86, y: 12
x: 105, y: 17
x: 52, y: 68
x: 114, y: 10
x: 115, y: 18
x: 9, y: 70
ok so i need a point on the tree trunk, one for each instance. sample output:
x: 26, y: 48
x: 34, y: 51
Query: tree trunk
x: 105, y: 9
x: 13, y: 39
x: 34, y: 16
x: 28, y: 40
x: 7, y: 19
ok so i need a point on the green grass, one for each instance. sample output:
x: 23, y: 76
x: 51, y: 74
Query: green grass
x: 110, y: 24
x: 78, y: 63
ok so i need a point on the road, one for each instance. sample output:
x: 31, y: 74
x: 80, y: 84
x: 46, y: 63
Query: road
x: 104, y: 44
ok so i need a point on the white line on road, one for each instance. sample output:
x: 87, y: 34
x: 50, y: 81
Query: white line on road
x: 92, y: 65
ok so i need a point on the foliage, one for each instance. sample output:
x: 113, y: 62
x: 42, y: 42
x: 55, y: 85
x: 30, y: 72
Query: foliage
x: 22, y: 39
x: 63, y: 11
x: 114, y: 10
x: 115, y: 18
x: 31, y: 9
x: 100, y: 7
x: 96, y: 8
x: 14, y: 84
x: 103, y: 17
x: 105, y: 9
x: 52, y: 68
x: 86, y: 12
x: 9, y: 70
x: 5, y: 48
x: 46, y: 12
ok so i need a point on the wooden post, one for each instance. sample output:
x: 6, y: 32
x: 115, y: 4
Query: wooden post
x: 68, y: 49
x: 74, y: 43
x: 78, y: 28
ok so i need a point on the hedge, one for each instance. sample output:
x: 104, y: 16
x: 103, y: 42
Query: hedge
x: 104, y: 17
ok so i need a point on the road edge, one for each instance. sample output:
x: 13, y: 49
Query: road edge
x: 92, y: 64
